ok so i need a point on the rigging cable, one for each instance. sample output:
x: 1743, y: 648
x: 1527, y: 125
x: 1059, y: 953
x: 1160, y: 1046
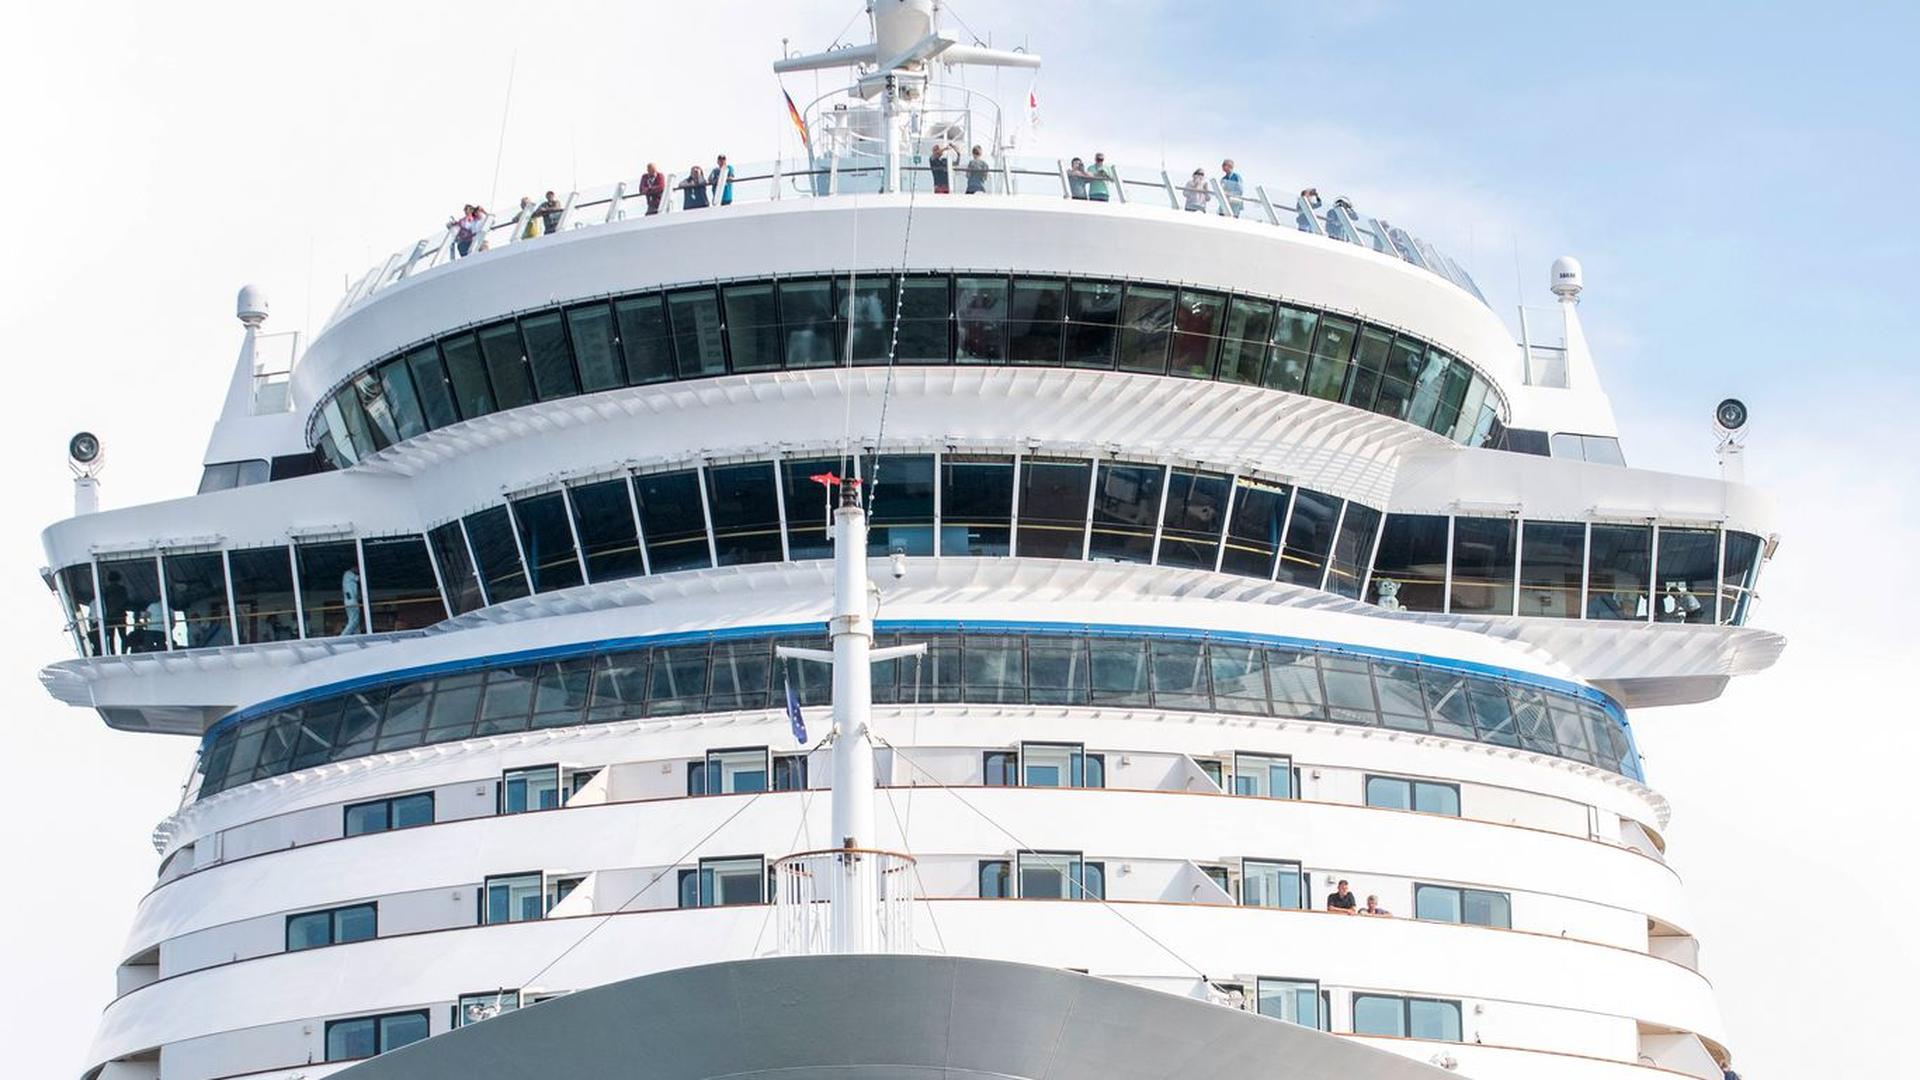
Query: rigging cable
x: 1021, y: 845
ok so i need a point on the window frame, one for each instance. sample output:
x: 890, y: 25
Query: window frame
x: 346, y: 813
x: 379, y: 1032
x: 333, y: 915
x: 506, y: 777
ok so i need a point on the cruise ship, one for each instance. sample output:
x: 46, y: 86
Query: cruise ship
x: 915, y: 610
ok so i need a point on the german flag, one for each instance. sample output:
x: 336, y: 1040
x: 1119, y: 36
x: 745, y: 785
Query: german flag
x: 793, y: 113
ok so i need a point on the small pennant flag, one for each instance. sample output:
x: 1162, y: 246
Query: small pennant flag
x: 1033, y: 108
x: 794, y: 719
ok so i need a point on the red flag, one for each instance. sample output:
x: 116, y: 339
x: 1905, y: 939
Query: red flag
x: 825, y: 479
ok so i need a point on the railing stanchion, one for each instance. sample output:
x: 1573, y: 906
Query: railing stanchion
x: 613, y: 204
x: 1272, y: 217
x: 566, y: 211
x: 776, y: 180
x: 1066, y: 182
x: 1173, y: 194
x: 1119, y: 185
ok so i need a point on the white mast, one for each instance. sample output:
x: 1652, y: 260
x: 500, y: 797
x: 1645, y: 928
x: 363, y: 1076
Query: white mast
x: 856, y: 899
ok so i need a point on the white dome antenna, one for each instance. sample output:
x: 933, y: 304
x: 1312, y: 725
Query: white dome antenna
x: 1567, y: 279
x: 251, y: 306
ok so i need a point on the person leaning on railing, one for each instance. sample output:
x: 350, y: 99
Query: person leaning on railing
x: 1099, y: 178
x: 937, y: 165
x: 1196, y: 191
x: 550, y: 211
x: 653, y: 185
x: 694, y: 188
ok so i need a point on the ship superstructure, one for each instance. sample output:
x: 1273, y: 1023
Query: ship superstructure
x: 1217, y: 559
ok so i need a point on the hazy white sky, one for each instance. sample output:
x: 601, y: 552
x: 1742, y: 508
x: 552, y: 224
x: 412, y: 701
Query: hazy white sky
x: 1737, y: 182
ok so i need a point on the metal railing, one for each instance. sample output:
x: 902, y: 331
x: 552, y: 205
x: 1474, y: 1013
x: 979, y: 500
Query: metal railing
x: 869, y: 890
x: 858, y: 173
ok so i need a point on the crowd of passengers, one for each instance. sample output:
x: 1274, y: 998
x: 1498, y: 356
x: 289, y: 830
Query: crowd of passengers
x: 1092, y: 183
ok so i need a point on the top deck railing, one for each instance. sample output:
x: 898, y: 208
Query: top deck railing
x: 862, y: 174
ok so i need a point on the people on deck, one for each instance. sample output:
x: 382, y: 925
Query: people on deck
x: 465, y: 228
x: 977, y: 169
x: 1309, y: 202
x: 694, y: 190
x: 1230, y: 186
x: 939, y: 166
x: 1373, y: 908
x: 1196, y: 191
x: 722, y: 181
x: 1099, y: 179
x: 531, y: 224
x: 550, y: 211
x: 1077, y: 177
x: 653, y: 185
x: 1341, y: 899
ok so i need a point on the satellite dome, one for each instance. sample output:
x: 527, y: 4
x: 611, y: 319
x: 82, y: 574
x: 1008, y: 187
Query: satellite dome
x: 1567, y: 279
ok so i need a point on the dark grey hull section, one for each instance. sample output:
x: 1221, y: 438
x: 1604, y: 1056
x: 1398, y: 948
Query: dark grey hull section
x: 869, y: 1017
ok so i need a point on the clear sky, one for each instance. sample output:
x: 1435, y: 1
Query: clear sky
x: 1737, y: 179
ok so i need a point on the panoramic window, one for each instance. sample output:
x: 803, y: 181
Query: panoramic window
x: 1410, y: 568
x: 132, y: 613
x: 1474, y: 907
x: 746, y: 513
x: 337, y: 926
x: 1310, y: 529
x: 672, y: 520
x: 1126, y: 508
x: 1407, y: 1018
x: 1424, y: 796
x: 1483, y: 565
x: 1195, y: 518
x: 365, y: 1036
x: 332, y: 593
x: 1352, y: 550
x: 449, y: 545
x: 399, y: 812
x: 1255, y: 526
x: 976, y: 512
x: 402, y: 592
x: 900, y: 512
x: 76, y: 591
x: 609, y: 539
x: 512, y: 898
x: 596, y: 347
x: 1686, y: 576
x: 1552, y: 567
x: 1617, y: 559
x: 495, y: 549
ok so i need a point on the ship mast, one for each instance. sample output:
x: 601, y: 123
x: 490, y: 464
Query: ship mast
x: 899, y: 67
x: 857, y: 897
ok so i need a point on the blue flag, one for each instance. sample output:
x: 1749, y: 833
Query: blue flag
x: 794, y: 719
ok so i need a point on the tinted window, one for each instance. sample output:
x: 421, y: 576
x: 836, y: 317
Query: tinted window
x: 1332, y: 347
x: 396, y: 387
x: 1126, y: 508
x: 372, y: 399
x: 1292, y: 347
x: 490, y: 532
x: 263, y: 594
x: 672, y: 521
x: 1254, y: 527
x: 596, y: 347
x: 1194, y: 520
x: 431, y: 385
x: 1409, y: 571
x: 603, y: 516
x: 810, y: 505
x: 980, y: 310
x: 1093, y: 323
x: 467, y: 372
x: 1483, y: 565
x: 921, y: 336
x: 330, y: 588
x: 1309, y: 538
x: 1196, y: 333
x: 506, y: 365
x: 1617, y: 559
x: 1147, y: 329
x: 871, y: 302
x: 976, y: 510
x: 753, y: 327
x: 806, y: 315
x: 400, y: 585
x: 697, y: 347
x: 1243, y: 348
x: 644, y: 339
x: 1053, y: 508
x: 900, y: 509
x: 547, y: 539
x: 549, y: 356
x: 76, y: 588
x: 1034, y: 321
x: 1688, y: 569
x: 746, y: 513
x: 1353, y: 550
x: 197, y: 599
x: 1553, y: 557
x: 449, y: 546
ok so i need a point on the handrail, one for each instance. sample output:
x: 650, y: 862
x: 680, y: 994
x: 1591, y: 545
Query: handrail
x: 768, y: 182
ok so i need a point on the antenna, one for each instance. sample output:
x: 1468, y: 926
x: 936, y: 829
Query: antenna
x: 506, y: 110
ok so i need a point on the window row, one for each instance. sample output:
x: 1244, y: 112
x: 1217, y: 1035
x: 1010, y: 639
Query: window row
x: 1215, y: 674
x: 925, y: 504
x: 1296, y: 1001
x: 799, y: 323
x: 1563, y: 569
